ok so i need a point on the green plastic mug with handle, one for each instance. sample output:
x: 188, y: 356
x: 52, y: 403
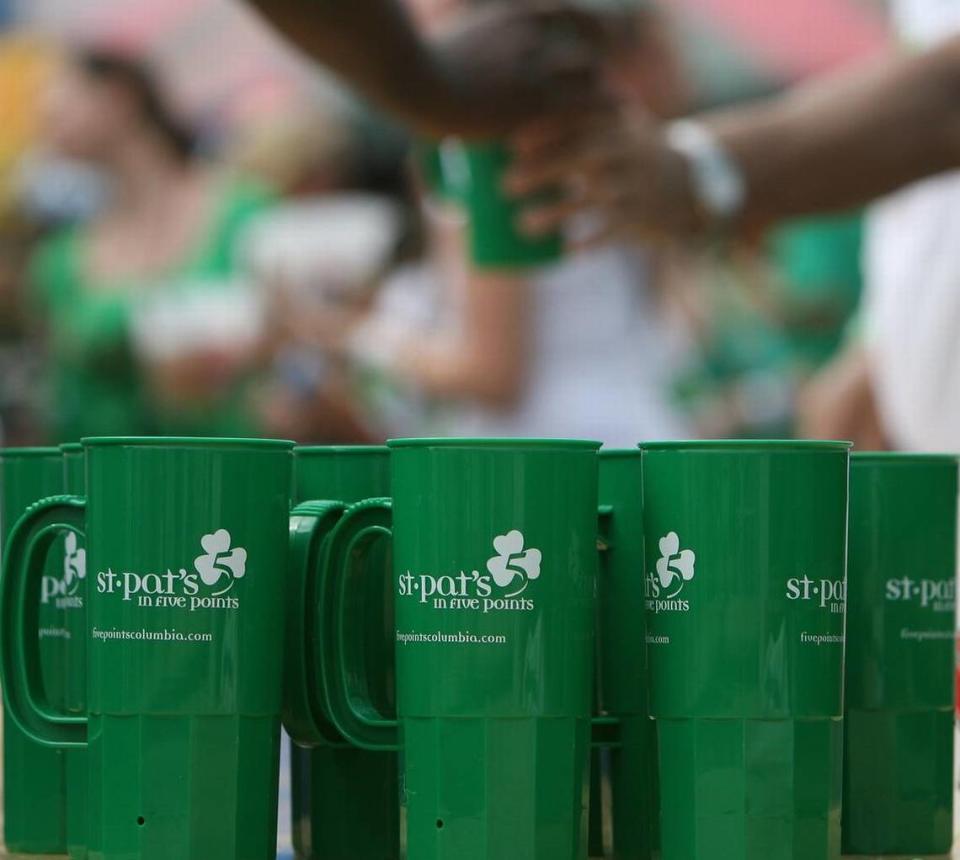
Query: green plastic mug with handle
x: 495, y: 564
x: 188, y: 545
x: 34, y: 799
x: 746, y: 602
x: 346, y: 800
x: 899, y: 738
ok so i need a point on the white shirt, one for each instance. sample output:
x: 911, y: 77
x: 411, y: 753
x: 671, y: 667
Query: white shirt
x: 926, y: 22
x: 600, y: 363
x: 912, y: 261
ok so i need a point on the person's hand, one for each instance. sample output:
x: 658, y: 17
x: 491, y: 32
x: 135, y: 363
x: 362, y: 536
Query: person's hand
x: 508, y: 62
x: 840, y: 403
x: 614, y: 166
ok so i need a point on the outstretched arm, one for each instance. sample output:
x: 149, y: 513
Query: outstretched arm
x: 841, y: 143
x: 833, y: 144
x: 508, y: 62
x: 367, y: 42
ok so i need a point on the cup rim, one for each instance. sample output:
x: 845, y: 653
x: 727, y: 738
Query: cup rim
x: 341, y: 450
x: 904, y: 457
x: 494, y: 443
x: 71, y: 448
x: 747, y: 445
x: 35, y: 451
x: 183, y: 442
x: 615, y: 453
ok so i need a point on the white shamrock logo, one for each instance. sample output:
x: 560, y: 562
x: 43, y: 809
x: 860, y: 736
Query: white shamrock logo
x: 511, y: 561
x: 74, y: 563
x: 675, y: 565
x: 219, y: 560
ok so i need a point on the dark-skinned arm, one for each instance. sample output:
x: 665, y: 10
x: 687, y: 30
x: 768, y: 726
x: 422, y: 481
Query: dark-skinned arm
x: 507, y: 62
x: 843, y: 142
x: 833, y: 144
x: 366, y: 42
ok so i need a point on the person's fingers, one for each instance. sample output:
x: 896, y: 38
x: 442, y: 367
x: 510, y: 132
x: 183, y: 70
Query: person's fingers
x: 548, y: 138
x: 578, y: 159
x: 613, y: 209
x: 571, y: 138
x: 540, y: 134
x: 525, y: 180
x: 603, y: 126
x: 545, y: 219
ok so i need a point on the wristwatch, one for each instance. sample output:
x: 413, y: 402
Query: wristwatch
x: 718, y: 182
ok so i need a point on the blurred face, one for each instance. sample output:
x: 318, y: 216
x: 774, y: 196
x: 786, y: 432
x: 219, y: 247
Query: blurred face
x: 84, y: 116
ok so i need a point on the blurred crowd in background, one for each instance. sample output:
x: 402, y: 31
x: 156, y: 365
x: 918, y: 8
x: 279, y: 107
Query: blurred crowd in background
x: 203, y: 234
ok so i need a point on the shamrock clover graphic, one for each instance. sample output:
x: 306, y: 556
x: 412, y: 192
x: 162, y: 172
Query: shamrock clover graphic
x: 675, y: 565
x: 511, y: 561
x: 219, y: 560
x: 74, y: 562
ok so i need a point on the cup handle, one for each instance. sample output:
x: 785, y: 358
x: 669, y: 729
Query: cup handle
x: 23, y: 566
x: 605, y: 730
x: 304, y: 709
x: 350, y: 710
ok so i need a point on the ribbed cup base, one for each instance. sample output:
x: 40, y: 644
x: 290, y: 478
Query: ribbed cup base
x: 34, y: 796
x: 183, y: 788
x: 738, y: 789
x: 898, y: 783
x: 345, y: 804
x: 78, y: 790
x: 491, y: 789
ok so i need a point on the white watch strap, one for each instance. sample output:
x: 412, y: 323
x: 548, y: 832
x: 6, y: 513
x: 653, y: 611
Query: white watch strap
x: 718, y: 182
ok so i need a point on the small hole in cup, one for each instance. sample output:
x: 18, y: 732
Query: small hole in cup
x: 141, y: 821
x: 439, y: 824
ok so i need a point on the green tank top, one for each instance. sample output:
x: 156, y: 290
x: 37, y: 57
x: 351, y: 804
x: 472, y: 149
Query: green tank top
x: 96, y: 386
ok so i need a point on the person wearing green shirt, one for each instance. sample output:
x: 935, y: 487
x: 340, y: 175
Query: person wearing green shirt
x: 170, y: 219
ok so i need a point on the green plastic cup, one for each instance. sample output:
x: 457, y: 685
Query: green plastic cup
x: 494, y: 575
x: 346, y: 800
x: 438, y: 181
x: 34, y: 797
x: 622, y: 677
x: 189, y: 545
x: 473, y: 174
x: 899, y: 739
x: 746, y: 601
